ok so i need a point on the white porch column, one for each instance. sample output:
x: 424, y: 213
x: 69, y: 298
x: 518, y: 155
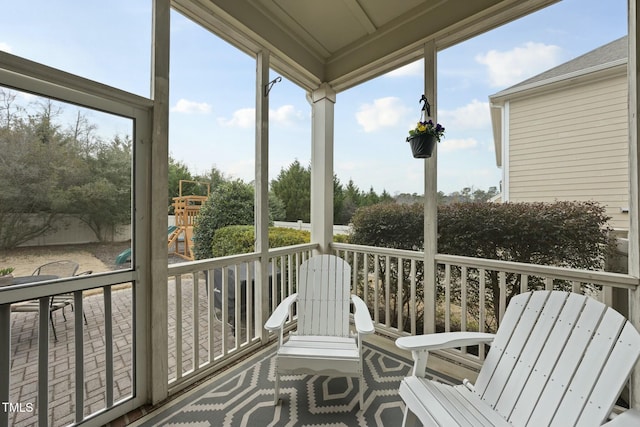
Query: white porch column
x: 261, y: 206
x: 155, y: 261
x: 430, y: 195
x: 323, y: 100
x: 634, y: 185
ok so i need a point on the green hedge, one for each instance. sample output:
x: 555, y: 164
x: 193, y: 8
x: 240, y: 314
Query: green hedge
x: 567, y: 234
x: 239, y: 239
x: 230, y: 203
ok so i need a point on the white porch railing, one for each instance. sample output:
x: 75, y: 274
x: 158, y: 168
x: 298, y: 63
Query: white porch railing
x: 84, y: 371
x: 209, y: 326
x: 471, y: 294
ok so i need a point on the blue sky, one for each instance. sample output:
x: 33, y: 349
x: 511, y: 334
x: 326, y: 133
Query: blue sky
x: 212, y: 88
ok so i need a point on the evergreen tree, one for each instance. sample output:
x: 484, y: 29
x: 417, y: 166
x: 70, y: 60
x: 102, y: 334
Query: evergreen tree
x: 293, y: 187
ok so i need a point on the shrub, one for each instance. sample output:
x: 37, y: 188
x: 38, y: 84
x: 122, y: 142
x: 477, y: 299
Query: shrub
x: 239, y: 239
x: 231, y: 203
x: 568, y: 234
x: 341, y: 238
x: 389, y: 225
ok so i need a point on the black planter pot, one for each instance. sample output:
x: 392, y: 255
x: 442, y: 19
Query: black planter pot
x: 422, y: 145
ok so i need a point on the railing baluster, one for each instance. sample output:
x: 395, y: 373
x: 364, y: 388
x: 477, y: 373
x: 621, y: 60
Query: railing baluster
x: 211, y: 314
x: 575, y: 286
x: 376, y: 293
x: 225, y: 310
x: 108, y: 349
x: 5, y: 359
x: 237, y: 300
x: 524, y: 283
x: 281, y: 279
x: 447, y: 297
x: 400, y: 293
x: 387, y: 294
x: 79, y: 355
x: 354, y: 272
x: 502, y: 284
x: 43, y: 361
x: 196, y: 322
x: 548, y: 283
x: 412, y: 302
x: 250, y: 319
x: 482, y: 301
x: 482, y: 310
x: 178, y: 326
x: 463, y: 299
x: 365, y: 277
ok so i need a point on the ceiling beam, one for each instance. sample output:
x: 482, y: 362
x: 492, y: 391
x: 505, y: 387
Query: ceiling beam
x: 360, y: 15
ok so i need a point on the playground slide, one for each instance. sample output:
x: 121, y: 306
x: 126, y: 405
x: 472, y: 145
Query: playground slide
x: 125, y: 255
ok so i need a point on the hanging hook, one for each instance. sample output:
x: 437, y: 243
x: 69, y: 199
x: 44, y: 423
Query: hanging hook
x: 268, y: 86
x: 426, y: 107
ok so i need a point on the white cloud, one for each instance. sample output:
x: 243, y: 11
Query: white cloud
x: 5, y: 47
x: 191, y: 107
x: 242, y: 118
x: 512, y: 66
x: 384, y: 112
x: 457, y: 144
x: 473, y: 116
x: 413, y: 69
x: 285, y: 115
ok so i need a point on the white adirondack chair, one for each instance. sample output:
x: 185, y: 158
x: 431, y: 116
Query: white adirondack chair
x: 558, y: 359
x: 323, y: 343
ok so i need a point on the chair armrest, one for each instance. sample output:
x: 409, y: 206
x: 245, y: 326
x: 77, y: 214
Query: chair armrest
x: 280, y: 314
x: 630, y: 418
x: 361, y: 316
x: 443, y: 340
x: 420, y: 345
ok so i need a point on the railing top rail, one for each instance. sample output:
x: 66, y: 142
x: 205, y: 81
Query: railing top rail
x: 12, y: 293
x: 212, y: 263
x: 293, y: 249
x: 563, y: 273
x: 374, y: 250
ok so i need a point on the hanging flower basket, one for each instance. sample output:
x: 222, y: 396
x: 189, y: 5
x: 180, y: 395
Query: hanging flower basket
x: 426, y: 133
x: 422, y: 145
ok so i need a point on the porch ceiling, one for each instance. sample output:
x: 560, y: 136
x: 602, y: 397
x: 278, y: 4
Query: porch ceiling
x: 345, y: 42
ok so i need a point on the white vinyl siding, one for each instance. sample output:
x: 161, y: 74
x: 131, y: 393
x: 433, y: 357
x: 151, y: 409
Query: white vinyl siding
x: 571, y: 144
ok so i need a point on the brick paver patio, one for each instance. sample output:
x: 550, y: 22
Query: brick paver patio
x: 24, y: 344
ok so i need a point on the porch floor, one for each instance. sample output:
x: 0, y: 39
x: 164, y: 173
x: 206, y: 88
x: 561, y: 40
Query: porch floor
x: 243, y: 394
x: 24, y: 369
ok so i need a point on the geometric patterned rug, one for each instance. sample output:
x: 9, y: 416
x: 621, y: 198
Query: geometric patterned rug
x: 243, y: 397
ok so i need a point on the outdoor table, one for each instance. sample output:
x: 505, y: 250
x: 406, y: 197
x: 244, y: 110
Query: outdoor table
x: 21, y: 280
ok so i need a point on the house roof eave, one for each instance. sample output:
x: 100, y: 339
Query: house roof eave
x: 591, y: 73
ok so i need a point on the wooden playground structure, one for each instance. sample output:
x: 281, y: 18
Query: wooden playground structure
x: 185, y: 209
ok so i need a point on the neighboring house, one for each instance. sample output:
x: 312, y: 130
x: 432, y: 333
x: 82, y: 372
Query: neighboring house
x: 563, y: 134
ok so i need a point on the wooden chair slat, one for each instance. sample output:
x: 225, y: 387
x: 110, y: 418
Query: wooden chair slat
x: 507, y: 327
x: 567, y: 363
x: 613, y: 376
x: 558, y: 359
x: 531, y: 352
x: 323, y: 343
x: 546, y: 362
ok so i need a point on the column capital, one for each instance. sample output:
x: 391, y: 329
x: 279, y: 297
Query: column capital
x: 324, y: 91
